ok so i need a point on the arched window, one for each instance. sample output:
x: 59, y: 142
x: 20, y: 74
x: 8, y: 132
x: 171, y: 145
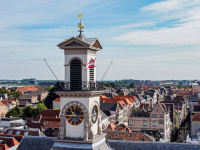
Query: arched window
x: 75, y: 75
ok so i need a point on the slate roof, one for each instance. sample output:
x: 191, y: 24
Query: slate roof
x: 36, y: 143
x: 108, y: 106
x: 129, y: 145
x: 197, y: 108
x: 103, y: 115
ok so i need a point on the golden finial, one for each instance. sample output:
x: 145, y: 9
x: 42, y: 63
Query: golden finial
x: 80, y: 15
x: 80, y: 25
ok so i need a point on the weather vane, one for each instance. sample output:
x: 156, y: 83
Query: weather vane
x: 80, y: 25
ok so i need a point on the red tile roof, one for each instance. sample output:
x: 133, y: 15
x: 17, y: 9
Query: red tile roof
x: 48, y: 113
x: 145, y: 106
x: 196, y: 117
x: 2, y: 104
x: 51, y: 124
x: 111, y: 126
x: 12, y: 141
x: 17, y: 137
x: 57, y: 100
x: 27, y: 88
x: 4, y: 146
x: 129, y: 136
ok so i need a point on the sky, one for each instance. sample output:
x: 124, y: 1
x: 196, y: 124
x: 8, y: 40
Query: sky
x: 145, y: 39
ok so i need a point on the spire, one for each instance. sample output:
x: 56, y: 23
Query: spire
x: 80, y: 26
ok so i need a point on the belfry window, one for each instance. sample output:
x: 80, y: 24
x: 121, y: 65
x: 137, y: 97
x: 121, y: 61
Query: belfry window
x: 91, y: 72
x: 75, y: 75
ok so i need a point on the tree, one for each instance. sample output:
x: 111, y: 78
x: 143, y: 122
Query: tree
x: 49, y: 88
x: 16, y: 94
x: 132, y: 84
x: 179, y: 86
x: 12, y: 113
x: 41, y: 107
x: 28, y: 111
x: 58, y: 108
x: 35, y: 112
x: 15, y: 112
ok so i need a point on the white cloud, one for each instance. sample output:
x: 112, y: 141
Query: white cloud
x: 182, y: 31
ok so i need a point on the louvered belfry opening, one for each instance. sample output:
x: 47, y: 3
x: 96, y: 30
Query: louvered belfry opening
x: 91, y: 71
x: 75, y: 75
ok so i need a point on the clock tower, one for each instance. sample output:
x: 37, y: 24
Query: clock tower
x: 80, y: 119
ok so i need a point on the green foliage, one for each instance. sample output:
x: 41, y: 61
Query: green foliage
x: 28, y: 111
x: 15, y: 112
x: 180, y: 87
x: 33, y: 112
x: 111, y: 84
x: 132, y: 84
x: 18, y: 110
x: 41, y: 107
x: 58, y: 108
x: 15, y: 94
x: 49, y: 88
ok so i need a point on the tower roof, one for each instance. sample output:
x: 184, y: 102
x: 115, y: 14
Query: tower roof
x: 80, y: 43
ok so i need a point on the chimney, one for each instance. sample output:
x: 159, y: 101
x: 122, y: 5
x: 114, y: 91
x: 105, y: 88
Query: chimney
x: 151, y: 104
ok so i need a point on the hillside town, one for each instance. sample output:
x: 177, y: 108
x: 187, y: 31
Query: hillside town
x: 135, y: 112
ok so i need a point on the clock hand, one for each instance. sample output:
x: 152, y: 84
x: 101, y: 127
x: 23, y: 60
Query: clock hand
x: 71, y: 115
x: 72, y: 112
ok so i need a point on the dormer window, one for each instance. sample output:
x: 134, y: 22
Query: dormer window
x: 26, y: 133
x: 10, y: 131
x: 17, y: 133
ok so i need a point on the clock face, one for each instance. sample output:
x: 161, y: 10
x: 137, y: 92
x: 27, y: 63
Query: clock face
x: 94, y: 114
x: 74, y: 115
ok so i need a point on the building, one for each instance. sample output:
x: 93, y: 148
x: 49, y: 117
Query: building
x: 40, y: 94
x: 13, y: 122
x: 56, y: 103
x: 24, y: 99
x: 157, y: 119
x: 195, y: 125
x: 3, y: 109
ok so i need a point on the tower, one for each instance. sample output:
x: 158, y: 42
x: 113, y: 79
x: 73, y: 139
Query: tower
x: 80, y: 103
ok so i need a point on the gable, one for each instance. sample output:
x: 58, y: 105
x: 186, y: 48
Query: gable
x: 157, y: 109
x: 74, y: 44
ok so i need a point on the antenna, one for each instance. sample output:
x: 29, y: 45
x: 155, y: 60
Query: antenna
x: 53, y: 74
x: 106, y: 70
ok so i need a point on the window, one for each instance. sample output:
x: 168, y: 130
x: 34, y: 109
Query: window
x: 161, y: 130
x: 154, y: 123
x: 26, y: 133
x: 17, y: 133
x: 116, y: 133
x: 130, y: 135
x: 161, y: 122
x: 10, y: 131
x: 154, y: 116
x: 130, y: 122
x: 161, y: 116
x: 144, y: 123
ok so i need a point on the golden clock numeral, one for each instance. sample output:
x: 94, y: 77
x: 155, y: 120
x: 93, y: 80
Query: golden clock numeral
x: 68, y: 119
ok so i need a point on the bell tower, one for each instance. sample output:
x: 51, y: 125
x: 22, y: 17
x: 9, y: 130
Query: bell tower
x: 80, y: 102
